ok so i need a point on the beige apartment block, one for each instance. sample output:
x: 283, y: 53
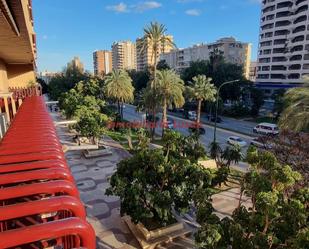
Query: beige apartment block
x: 233, y: 51
x: 283, y: 56
x: 17, y: 45
x: 253, y: 71
x: 76, y: 63
x: 102, y: 62
x: 124, y: 55
x: 145, y: 55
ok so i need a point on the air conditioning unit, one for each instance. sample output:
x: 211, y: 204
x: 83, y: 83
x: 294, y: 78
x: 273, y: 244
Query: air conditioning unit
x: 3, y: 124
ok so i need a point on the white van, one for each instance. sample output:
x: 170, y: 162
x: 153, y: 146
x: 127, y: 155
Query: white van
x: 266, y: 129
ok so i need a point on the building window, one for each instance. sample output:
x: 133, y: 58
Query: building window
x: 301, y: 9
x: 279, y: 41
x: 268, y: 34
x: 266, y: 43
x: 279, y: 59
x: 263, y: 76
x: 267, y: 51
x: 282, y: 23
x: 278, y: 68
x: 283, y: 14
x: 268, y: 26
x: 294, y: 76
x: 298, y: 38
x: 278, y: 50
x: 268, y: 9
x: 299, y: 29
x: 300, y: 19
x: 277, y: 76
x: 282, y: 32
x: 297, y: 57
x: 284, y: 4
x: 264, y: 60
x: 300, y: 1
x: 265, y: 68
x: 306, y: 57
x: 297, y: 48
x: 295, y: 67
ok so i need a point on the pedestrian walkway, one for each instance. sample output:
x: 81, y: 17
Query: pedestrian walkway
x: 92, y: 179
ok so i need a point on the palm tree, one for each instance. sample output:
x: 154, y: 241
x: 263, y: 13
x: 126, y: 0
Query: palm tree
x: 296, y: 113
x: 232, y: 154
x: 170, y: 89
x: 118, y: 86
x: 201, y: 89
x: 154, y: 39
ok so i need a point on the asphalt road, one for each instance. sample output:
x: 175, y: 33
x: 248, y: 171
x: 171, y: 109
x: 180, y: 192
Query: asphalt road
x: 180, y: 125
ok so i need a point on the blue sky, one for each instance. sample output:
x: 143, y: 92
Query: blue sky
x: 68, y: 28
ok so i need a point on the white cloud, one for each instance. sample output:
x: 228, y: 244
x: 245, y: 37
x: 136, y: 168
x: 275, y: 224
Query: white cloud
x: 193, y: 12
x: 148, y: 5
x: 119, y: 8
x: 138, y: 8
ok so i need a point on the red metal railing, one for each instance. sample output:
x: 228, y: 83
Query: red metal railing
x: 39, y: 202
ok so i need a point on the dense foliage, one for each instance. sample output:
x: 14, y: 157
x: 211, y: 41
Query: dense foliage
x: 278, y: 217
x: 152, y: 183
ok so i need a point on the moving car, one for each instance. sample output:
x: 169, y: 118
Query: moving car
x: 236, y: 141
x: 266, y: 129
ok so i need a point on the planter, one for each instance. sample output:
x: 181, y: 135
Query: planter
x: 101, y: 152
x: 161, y: 236
x: 154, y: 234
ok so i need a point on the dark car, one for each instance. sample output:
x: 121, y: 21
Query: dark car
x: 200, y: 130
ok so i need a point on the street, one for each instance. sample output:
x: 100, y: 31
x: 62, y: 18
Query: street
x: 131, y: 115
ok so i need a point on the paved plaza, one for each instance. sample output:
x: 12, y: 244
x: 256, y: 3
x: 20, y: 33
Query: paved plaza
x: 103, y: 212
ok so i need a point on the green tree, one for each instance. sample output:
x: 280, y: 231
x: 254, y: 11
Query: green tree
x: 152, y: 183
x: 201, y: 89
x: 118, y: 87
x: 162, y: 65
x: 278, y: 217
x: 91, y: 123
x: 257, y: 97
x: 296, y: 112
x: 170, y: 88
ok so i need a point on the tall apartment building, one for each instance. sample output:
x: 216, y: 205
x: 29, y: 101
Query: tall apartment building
x: 76, y: 64
x: 145, y: 57
x: 102, y: 62
x: 283, y: 57
x: 124, y: 55
x: 233, y: 51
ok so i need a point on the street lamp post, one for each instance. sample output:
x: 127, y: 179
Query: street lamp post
x: 217, y: 105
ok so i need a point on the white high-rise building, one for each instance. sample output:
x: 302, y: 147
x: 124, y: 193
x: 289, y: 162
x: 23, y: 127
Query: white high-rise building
x: 283, y: 56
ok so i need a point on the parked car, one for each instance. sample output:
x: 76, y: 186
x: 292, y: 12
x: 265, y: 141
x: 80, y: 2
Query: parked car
x: 236, y: 141
x: 260, y: 144
x: 200, y: 130
x: 266, y: 129
x: 192, y: 115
